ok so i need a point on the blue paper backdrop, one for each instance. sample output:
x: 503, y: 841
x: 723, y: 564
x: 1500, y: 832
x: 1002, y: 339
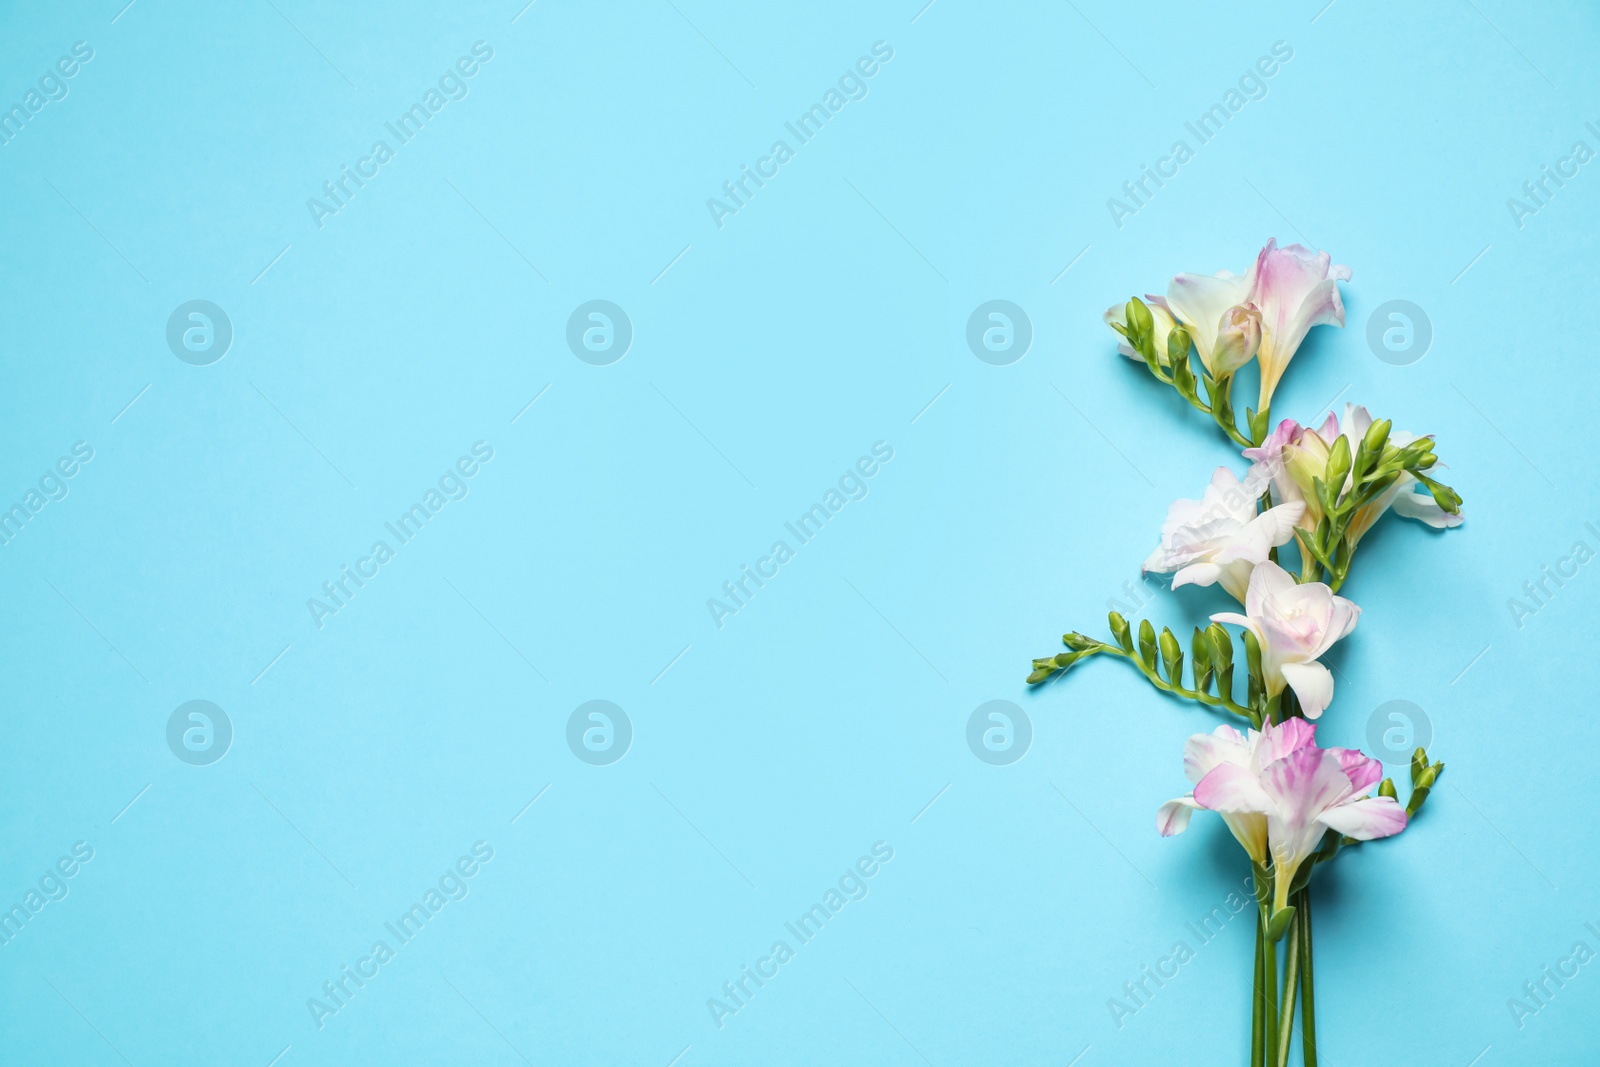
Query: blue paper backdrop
x: 414, y: 330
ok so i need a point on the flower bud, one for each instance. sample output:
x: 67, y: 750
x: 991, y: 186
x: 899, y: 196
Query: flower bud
x: 1147, y: 643
x: 1119, y: 630
x: 1177, y: 353
x: 1140, y: 323
x: 1172, y: 656
x: 1386, y: 789
x: 1200, y: 655
x: 1238, y: 339
x: 1376, y: 438
x: 1338, y: 467
x: 1419, y: 792
x: 1221, y: 646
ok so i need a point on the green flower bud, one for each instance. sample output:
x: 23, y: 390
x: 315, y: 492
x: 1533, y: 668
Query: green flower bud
x: 1252, y: 653
x: 1177, y: 353
x: 1147, y: 643
x: 1386, y: 789
x: 1119, y: 630
x: 1200, y: 656
x: 1139, y: 319
x: 1377, y: 437
x: 1172, y: 656
x: 1337, y: 469
x: 1221, y: 646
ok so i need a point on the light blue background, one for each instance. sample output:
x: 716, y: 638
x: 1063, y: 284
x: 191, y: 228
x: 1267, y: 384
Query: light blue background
x: 826, y: 715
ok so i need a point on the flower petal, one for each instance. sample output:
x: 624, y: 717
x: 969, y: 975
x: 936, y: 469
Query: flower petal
x: 1201, y: 300
x: 1423, y: 508
x: 1268, y: 582
x: 1282, y: 739
x: 1366, y: 819
x: 1202, y: 752
x: 1196, y: 574
x: 1363, y: 771
x: 1173, y: 816
x: 1231, y: 788
x: 1312, y: 684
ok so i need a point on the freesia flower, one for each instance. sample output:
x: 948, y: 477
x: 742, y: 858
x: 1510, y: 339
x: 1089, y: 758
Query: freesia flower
x: 1293, y: 455
x: 1161, y: 317
x: 1202, y: 302
x: 1294, y: 624
x: 1219, y: 538
x: 1294, y: 289
x: 1279, y: 794
x: 1253, y: 750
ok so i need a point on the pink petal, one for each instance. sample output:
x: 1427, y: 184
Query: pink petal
x: 1304, y: 784
x: 1233, y: 789
x: 1363, y: 771
x: 1282, y: 739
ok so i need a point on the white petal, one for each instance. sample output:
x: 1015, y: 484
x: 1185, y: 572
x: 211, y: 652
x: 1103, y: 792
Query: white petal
x: 1269, y: 583
x: 1312, y: 683
x: 1173, y: 816
x: 1197, y: 574
x: 1367, y: 818
x: 1422, y: 507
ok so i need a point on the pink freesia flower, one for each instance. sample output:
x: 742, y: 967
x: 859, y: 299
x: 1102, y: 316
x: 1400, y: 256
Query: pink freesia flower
x: 1295, y: 624
x: 1219, y: 538
x: 1293, y: 455
x: 1279, y: 794
x: 1294, y: 289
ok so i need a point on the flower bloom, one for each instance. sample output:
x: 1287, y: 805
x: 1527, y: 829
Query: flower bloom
x: 1286, y: 290
x: 1295, y: 289
x: 1294, y: 624
x: 1219, y: 539
x: 1293, y: 455
x: 1203, y: 303
x: 1279, y: 794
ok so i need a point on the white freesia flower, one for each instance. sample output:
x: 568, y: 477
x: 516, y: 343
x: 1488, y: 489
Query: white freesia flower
x: 1219, y: 539
x: 1294, y: 624
x: 1203, y: 301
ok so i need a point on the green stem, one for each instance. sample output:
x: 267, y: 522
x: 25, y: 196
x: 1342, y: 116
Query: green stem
x: 1269, y: 987
x: 1226, y: 703
x: 1308, y: 1008
x: 1291, y: 985
x: 1258, y: 1020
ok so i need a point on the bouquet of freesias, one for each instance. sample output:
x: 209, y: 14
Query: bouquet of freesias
x: 1280, y: 540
